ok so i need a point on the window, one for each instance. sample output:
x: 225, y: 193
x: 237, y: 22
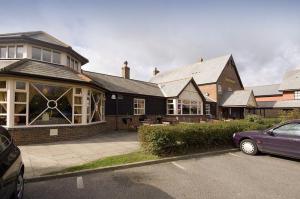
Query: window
x: 20, y: 103
x: 139, y: 106
x: 219, y: 89
x: 185, y: 107
x: 72, y: 63
x: 288, y: 129
x: 3, y: 51
x: 19, y: 52
x: 50, y: 104
x: 76, y: 66
x: 46, y: 55
x: 4, y: 143
x: 97, y: 106
x: 3, y: 103
x: 77, y: 105
x: 56, y: 57
x: 68, y: 61
x: 36, y: 53
x: 297, y: 95
x: 11, y: 52
x: 207, y: 109
x: 170, y: 106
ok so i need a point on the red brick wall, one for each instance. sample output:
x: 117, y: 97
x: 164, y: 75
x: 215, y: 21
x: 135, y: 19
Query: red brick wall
x: 287, y: 95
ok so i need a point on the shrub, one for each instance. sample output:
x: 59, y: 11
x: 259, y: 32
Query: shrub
x: 183, y: 138
x: 289, y: 115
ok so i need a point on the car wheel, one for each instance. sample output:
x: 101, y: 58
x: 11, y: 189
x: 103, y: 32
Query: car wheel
x: 19, y: 190
x: 248, y: 147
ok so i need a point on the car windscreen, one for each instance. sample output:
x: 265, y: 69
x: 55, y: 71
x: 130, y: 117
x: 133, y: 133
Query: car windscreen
x: 4, y: 143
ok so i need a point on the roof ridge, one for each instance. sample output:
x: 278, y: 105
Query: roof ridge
x: 21, y: 33
x: 120, y: 77
x: 176, y: 80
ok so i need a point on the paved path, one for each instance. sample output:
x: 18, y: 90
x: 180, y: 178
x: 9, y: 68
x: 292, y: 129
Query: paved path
x: 226, y: 176
x: 44, y: 158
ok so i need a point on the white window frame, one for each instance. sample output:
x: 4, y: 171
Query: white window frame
x: 77, y: 105
x: 26, y: 91
x: 297, y: 95
x: 207, y: 109
x: 136, y: 111
x: 171, y: 103
x: 15, y: 51
x: 51, y: 54
x: 178, y: 107
x: 5, y: 102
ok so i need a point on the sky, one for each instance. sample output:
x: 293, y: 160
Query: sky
x: 262, y: 36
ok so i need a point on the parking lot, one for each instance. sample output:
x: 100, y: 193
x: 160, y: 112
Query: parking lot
x: 230, y: 175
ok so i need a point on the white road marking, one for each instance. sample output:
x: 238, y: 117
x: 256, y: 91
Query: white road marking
x: 80, y: 184
x: 235, y: 155
x: 178, y: 165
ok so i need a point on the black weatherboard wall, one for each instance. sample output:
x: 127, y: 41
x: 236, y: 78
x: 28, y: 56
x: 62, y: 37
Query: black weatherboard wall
x: 154, y: 105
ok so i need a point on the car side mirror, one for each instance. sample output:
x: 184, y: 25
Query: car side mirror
x: 270, y: 132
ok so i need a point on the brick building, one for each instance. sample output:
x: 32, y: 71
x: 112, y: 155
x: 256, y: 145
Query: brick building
x: 272, y: 99
x: 45, y: 95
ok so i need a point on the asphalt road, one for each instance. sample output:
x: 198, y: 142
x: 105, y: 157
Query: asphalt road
x: 226, y: 176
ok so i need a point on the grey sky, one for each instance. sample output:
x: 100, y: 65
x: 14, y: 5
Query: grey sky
x: 262, y: 36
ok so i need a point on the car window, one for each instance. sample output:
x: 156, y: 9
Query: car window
x: 288, y: 129
x: 4, y: 143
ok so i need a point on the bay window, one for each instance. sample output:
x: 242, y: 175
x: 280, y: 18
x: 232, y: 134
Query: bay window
x: 184, y: 107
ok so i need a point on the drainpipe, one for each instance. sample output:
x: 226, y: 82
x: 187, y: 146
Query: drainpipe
x: 117, y: 111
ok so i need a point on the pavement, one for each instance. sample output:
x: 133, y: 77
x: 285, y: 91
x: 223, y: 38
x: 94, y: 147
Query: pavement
x: 227, y: 176
x: 40, y: 159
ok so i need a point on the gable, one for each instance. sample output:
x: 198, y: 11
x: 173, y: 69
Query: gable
x: 230, y: 78
x: 190, y: 93
x: 252, y: 102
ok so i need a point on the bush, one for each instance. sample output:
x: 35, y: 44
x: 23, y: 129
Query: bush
x: 289, y: 115
x: 183, y: 138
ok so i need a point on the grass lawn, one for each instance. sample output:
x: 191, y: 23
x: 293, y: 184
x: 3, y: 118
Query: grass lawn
x: 137, y: 156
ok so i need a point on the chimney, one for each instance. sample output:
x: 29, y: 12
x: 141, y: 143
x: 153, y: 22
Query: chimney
x: 201, y: 59
x: 155, y: 72
x: 126, y: 71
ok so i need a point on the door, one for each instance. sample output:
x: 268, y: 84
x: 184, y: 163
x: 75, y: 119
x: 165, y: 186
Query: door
x: 284, y: 140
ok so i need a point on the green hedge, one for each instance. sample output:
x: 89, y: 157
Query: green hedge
x: 183, y: 138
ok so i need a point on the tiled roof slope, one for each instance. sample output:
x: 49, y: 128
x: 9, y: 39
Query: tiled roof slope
x: 239, y: 98
x: 38, y: 35
x: 120, y: 84
x: 291, y: 80
x: 36, y: 68
x: 265, y: 90
x: 280, y: 104
x: 203, y: 72
x: 173, y: 88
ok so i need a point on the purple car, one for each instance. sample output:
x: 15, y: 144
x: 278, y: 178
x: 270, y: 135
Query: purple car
x: 281, y: 140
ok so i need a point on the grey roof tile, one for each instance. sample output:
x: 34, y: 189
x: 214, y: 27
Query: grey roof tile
x: 174, y: 88
x: 38, y: 35
x: 120, y: 84
x: 265, y: 90
x: 30, y: 67
x: 203, y: 72
x: 239, y: 98
x: 280, y: 104
x: 291, y: 80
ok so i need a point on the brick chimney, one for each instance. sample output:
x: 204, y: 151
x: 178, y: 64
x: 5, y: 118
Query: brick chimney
x: 155, y: 71
x: 201, y: 59
x: 126, y: 71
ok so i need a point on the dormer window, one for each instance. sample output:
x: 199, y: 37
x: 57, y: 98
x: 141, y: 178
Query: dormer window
x: 11, y: 52
x: 46, y: 55
x: 72, y: 63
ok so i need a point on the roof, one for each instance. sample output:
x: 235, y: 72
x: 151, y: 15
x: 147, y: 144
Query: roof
x: 203, y: 72
x: 36, y: 68
x: 44, y: 39
x: 291, y: 80
x: 265, y: 90
x: 122, y: 85
x: 174, y: 88
x: 37, y: 35
x: 239, y: 98
x: 280, y: 104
